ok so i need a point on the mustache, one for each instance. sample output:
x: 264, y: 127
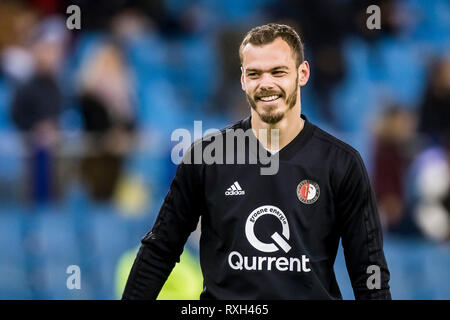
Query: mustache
x: 267, y: 93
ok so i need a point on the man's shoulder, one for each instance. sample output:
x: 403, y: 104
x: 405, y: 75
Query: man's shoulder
x: 219, y: 136
x: 332, y: 141
x: 347, y: 161
x: 243, y: 124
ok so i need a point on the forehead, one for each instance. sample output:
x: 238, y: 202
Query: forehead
x: 267, y: 56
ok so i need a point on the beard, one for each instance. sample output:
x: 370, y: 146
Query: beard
x: 270, y: 115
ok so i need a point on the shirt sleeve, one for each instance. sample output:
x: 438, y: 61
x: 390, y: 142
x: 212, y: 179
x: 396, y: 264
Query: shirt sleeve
x: 162, y: 246
x: 361, y: 233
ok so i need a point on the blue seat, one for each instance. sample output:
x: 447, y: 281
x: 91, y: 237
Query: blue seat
x: 13, y: 273
x: 14, y: 283
x: 437, y: 261
x: 51, y: 234
x: 200, y: 68
x: 354, y: 99
x: 108, y: 238
x: 147, y: 52
x: 5, y: 97
x: 403, y: 71
x: 50, y: 240
x: 236, y: 11
x: 160, y: 107
x: 11, y: 165
x: 434, y: 25
x: 12, y: 248
x: 108, y: 232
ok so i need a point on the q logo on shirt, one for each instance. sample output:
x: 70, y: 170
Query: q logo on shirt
x: 277, y: 238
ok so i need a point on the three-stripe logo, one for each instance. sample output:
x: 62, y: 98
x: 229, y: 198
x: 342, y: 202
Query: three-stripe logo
x: 235, y: 190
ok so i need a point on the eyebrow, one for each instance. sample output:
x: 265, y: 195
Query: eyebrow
x: 272, y: 69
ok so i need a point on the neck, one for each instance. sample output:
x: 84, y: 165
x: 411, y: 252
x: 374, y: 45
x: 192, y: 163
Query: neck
x: 282, y: 132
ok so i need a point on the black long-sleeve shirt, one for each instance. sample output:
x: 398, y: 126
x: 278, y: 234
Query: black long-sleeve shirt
x: 269, y: 236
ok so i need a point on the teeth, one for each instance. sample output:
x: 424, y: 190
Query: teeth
x: 270, y: 98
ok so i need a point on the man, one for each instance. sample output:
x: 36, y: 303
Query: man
x: 36, y: 107
x: 270, y: 236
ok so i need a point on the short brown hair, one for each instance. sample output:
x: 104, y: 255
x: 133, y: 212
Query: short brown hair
x: 269, y: 32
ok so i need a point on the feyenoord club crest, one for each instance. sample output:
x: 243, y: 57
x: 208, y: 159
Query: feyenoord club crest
x: 308, y: 191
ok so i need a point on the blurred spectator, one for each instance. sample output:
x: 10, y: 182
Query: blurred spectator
x: 435, y: 108
x: 130, y: 23
x: 16, y: 24
x: 394, y: 136
x: 48, y: 7
x: 431, y: 172
x: 36, y: 107
x: 109, y: 120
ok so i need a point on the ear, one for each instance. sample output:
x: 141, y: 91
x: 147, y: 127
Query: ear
x: 303, y: 73
x: 242, y: 79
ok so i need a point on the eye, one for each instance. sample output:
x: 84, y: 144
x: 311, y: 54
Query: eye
x: 252, y: 75
x: 279, y: 73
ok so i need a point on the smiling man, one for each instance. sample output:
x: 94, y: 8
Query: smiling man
x: 273, y: 68
x: 271, y: 79
x: 270, y: 236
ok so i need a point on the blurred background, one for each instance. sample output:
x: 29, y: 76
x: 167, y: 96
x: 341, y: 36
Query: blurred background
x: 86, y: 117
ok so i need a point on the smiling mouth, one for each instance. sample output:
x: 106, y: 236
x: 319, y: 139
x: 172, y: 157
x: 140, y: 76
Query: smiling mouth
x: 269, y: 98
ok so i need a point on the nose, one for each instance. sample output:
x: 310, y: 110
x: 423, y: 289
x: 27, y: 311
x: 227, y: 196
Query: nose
x: 266, y: 82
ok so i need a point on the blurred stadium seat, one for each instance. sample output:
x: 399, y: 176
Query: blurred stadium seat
x: 13, y: 273
x: 108, y: 238
x: 11, y: 228
x: 52, y: 246
x: 15, y: 285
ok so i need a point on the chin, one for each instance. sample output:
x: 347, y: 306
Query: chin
x: 270, y: 108
x: 272, y: 117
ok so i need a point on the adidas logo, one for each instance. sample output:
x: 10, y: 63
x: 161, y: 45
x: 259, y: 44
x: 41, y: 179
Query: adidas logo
x: 235, y: 190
